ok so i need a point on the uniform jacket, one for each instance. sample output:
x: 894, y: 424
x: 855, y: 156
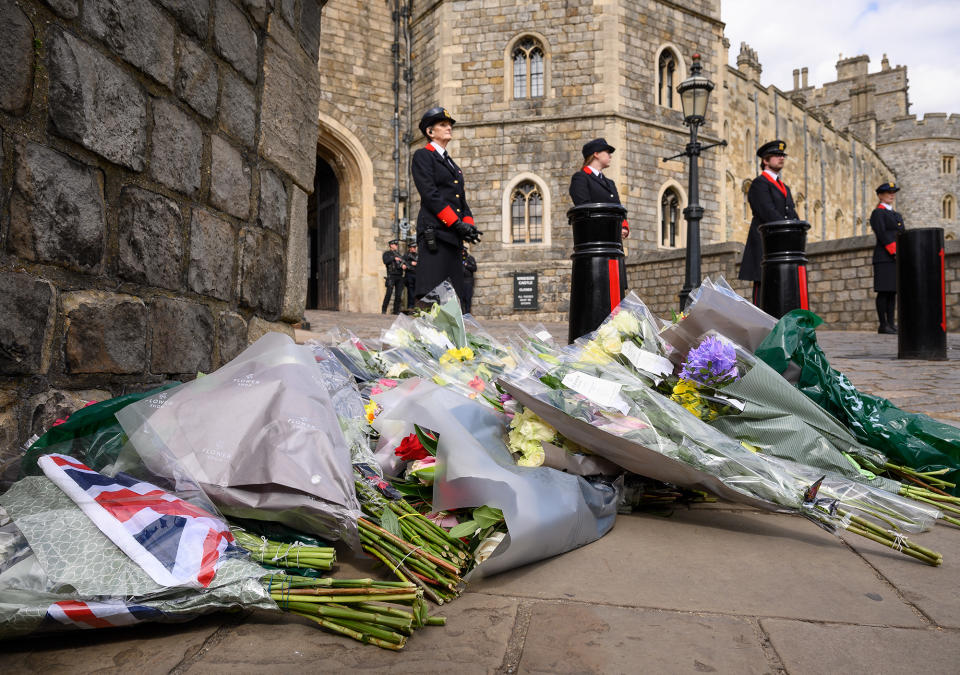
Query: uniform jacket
x: 769, y: 201
x: 410, y: 259
x: 393, y: 268
x: 443, y: 198
x: 885, y: 224
x: 588, y: 188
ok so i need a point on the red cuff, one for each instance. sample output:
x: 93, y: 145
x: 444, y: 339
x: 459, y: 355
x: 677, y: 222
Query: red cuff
x: 625, y: 225
x: 468, y: 220
x: 891, y: 248
x: 448, y: 216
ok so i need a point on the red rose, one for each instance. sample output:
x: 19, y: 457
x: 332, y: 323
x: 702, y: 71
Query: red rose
x: 411, y: 448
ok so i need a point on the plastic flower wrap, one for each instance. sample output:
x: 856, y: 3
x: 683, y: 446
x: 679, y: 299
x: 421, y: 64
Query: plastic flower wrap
x: 614, y: 413
x: 527, y: 435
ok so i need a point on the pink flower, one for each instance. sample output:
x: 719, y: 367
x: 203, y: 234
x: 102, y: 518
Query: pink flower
x: 388, y: 383
x: 374, y: 390
x: 478, y: 384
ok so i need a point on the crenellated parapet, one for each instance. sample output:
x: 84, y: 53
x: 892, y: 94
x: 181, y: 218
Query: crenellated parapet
x: 909, y: 128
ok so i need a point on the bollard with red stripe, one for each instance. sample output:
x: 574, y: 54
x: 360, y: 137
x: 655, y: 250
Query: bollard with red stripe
x: 597, y: 279
x: 783, y: 272
x: 921, y: 295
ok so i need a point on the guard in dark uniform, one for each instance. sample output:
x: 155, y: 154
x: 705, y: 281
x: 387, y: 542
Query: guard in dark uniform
x: 410, y: 273
x: 445, y: 220
x: 886, y: 224
x: 394, y: 264
x: 770, y: 200
x: 469, y: 269
x: 589, y: 185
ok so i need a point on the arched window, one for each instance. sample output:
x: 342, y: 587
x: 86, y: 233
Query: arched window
x: 666, y: 78
x: 670, y: 234
x: 948, y: 207
x: 528, y: 70
x: 526, y: 214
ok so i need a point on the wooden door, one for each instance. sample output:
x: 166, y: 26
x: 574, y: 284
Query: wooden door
x: 323, y: 240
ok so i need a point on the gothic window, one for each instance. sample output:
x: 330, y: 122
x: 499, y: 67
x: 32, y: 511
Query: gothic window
x: 526, y: 214
x: 667, y: 78
x: 948, y: 165
x: 948, y: 207
x: 528, y: 70
x: 670, y: 219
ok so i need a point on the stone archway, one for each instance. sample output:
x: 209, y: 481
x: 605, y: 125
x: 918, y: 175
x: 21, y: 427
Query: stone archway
x: 359, y: 266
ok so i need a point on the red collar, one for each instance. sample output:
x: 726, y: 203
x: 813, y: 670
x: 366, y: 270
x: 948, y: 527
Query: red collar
x: 429, y: 146
x: 779, y: 185
x: 587, y: 171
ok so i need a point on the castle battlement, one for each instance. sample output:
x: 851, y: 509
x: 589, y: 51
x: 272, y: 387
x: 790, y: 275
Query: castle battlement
x: 908, y: 127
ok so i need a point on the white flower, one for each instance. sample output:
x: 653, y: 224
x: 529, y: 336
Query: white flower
x: 625, y: 323
x: 488, y: 546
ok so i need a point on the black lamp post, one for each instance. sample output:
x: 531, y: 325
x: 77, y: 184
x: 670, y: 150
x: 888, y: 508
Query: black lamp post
x: 694, y: 95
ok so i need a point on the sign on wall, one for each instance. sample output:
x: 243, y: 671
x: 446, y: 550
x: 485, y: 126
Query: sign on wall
x: 525, y: 294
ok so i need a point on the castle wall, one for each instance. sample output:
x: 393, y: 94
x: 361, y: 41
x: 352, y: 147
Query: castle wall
x: 916, y: 149
x: 154, y: 175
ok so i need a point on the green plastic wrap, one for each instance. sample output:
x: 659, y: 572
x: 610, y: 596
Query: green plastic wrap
x: 912, y: 439
x: 92, y: 434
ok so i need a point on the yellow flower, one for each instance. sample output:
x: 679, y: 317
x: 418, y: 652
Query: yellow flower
x: 456, y: 355
x: 371, y: 410
x: 594, y: 354
x: 686, y: 394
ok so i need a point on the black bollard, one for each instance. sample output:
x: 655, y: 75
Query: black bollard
x: 597, y: 282
x: 921, y: 295
x: 783, y: 273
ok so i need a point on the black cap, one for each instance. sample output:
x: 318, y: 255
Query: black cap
x: 433, y: 116
x: 888, y: 187
x: 776, y: 147
x: 393, y: 241
x: 412, y: 244
x: 596, y: 145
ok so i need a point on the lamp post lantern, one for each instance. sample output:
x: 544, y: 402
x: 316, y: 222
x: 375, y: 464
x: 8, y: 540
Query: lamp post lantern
x: 694, y: 96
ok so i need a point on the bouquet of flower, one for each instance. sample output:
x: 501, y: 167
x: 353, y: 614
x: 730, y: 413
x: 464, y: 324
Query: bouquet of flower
x: 617, y: 415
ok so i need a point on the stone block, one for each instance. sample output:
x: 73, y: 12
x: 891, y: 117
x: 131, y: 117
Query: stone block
x: 105, y: 333
x: 231, y: 336
x: 56, y: 209
x: 258, y: 9
x: 272, y: 213
x: 94, y: 102
x: 16, y: 59
x: 212, y: 252
x: 287, y: 11
x: 259, y: 327
x: 229, y: 179
x: 181, y: 337
x: 177, y: 150
x: 310, y: 28
x: 288, y: 115
x: 235, y: 40
x: 136, y: 31
x: 150, y: 233
x: 28, y: 307
x: 197, y: 79
x: 295, y: 288
x: 261, y: 271
x: 68, y: 9
x: 42, y: 410
x: 238, y: 108
x: 191, y: 14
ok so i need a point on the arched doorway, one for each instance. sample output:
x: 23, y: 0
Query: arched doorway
x: 323, y: 237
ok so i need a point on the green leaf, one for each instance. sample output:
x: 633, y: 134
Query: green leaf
x: 429, y: 444
x: 487, y: 516
x: 390, y: 522
x: 464, y: 529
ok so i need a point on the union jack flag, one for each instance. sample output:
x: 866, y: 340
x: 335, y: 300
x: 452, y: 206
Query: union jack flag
x: 100, y: 614
x: 175, y: 542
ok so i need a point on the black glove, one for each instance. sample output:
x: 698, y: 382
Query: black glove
x: 468, y: 233
x: 430, y: 237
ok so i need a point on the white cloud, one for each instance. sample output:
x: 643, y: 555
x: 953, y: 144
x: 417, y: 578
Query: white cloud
x: 923, y: 35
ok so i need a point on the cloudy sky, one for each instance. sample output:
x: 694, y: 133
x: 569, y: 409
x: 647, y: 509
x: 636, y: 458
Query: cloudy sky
x: 923, y: 35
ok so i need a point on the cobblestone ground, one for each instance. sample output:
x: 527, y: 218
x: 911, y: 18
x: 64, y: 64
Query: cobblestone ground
x: 713, y: 588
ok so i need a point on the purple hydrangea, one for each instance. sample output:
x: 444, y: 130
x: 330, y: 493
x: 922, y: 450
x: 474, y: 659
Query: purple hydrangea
x: 713, y: 363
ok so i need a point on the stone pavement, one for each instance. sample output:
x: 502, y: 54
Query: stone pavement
x: 711, y: 588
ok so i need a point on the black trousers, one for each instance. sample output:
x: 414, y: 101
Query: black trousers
x: 467, y: 297
x: 395, y: 286
x: 886, y: 307
x: 411, y: 284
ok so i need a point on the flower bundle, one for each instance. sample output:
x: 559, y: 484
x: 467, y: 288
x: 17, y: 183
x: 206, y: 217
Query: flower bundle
x: 381, y: 613
x: 278, y: 554
x: 617, y: 415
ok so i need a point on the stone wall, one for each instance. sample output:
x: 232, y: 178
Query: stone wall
x: 839, y: 279
x: 155, y: 160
